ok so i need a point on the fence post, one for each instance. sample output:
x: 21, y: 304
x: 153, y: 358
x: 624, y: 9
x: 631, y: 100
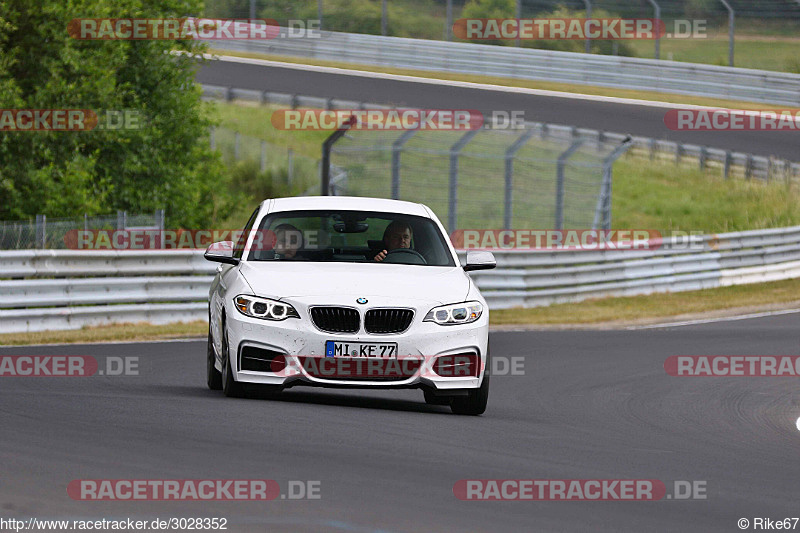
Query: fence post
x: 518, y: 13
x: 263, y: 156
x: 383, y: 18
x: 455, y: 150
x: 319, y: 12
x: 327, y: 145
x: 731, y: 17
x: 588, y: 42
x: 562, y: 161
x: 41, y: 231
x: 159, y: 219
x: 726, y: 171
x: 236, y: 139
x: 122, y: 219
x: 290, y: 170
x: 509, y: 175
x: 604, y: 200
x: 449, y: 29
x: 252, y: 9
x: 212, y: 143
x: 397, y: 149
x: 658, y: 30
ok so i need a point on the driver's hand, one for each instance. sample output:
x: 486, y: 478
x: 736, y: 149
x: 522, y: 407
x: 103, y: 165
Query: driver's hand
x: 381, y: 256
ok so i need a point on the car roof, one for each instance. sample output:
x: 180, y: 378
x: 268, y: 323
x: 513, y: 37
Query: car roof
x: 350, y: 203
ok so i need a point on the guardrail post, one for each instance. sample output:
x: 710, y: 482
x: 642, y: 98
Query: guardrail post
x: 562, y: 161
x: 658, y: 35
x: 748, y: 169
x: 455, y: 150
x: 678, y: 152
x: 397, y: 149
x: 703, y: 157
x: 588, y: 42
x: 731, y: 17
x: 509, y: 175
x: 327, y: 145
x: 604, y: 200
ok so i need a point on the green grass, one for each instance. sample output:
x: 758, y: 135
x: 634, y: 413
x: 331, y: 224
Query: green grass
x: 649, y: 308
x: 779, y: 54
x: 666, y: 197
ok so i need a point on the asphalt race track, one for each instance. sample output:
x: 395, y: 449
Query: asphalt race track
x: 590, y: 405
x: 614, y: 117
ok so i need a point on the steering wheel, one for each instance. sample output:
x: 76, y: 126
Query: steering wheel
x: 415, y: 256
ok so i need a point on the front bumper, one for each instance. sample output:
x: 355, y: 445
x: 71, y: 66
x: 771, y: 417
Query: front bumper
x: 298, y: 342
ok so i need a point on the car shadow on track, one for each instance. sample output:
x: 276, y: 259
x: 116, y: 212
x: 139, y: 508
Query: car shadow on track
x: 349, y: 400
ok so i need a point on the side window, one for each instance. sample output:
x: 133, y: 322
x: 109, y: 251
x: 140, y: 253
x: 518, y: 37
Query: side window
x: 238, y: 250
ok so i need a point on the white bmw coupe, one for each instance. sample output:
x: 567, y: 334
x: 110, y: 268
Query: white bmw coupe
x: 348, y: 292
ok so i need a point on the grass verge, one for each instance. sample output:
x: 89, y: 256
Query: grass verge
x: 632, y: 309
x: 113, y: 332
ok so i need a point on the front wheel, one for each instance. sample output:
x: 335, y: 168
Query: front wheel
x: 213, y: 376
x: 230, y: 387
x: 475, y: 402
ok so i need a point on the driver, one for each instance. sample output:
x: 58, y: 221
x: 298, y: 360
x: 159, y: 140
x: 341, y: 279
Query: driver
x: 288, y: 239
x: 397, y: 235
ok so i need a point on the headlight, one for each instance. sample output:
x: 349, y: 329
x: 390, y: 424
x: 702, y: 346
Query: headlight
x: 448, y: 315
x: 264, y: 308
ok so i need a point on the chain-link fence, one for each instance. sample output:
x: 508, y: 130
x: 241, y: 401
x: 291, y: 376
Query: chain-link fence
x: 489, y: 179
x: 52, y: 233
x: 280, y: 163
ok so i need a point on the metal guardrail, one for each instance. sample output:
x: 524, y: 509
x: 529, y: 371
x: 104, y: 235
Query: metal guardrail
x: 525, y: 63
x: 57, y: 289
x: 727, y: 162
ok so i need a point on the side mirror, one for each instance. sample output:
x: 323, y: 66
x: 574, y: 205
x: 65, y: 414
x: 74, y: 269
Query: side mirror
x: 221, y: 252
x: 480, y: 261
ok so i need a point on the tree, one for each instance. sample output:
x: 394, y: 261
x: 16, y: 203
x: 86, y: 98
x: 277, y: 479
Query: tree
x: 165, y: 163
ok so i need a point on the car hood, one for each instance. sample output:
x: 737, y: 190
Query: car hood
x: 298, y: 279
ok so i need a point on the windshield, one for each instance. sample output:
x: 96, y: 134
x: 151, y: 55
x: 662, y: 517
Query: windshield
x: 350, y: 237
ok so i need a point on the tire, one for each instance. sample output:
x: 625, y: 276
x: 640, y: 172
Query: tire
x: 433, y: 399
x: 213, y: 376
x: 230, y: 387
x: 475, y: 403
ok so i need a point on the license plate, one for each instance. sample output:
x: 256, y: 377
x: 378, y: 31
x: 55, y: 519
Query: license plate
x: 380, y: 350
